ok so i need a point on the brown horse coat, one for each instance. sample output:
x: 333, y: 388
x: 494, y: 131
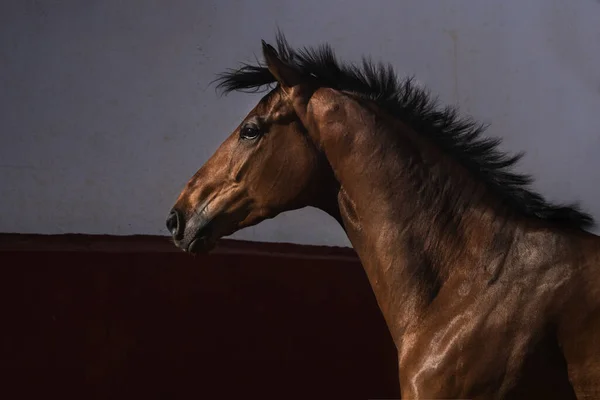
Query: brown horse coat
x: 486, y: 287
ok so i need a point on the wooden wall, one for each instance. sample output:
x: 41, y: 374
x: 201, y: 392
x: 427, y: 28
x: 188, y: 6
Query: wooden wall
x: 96, y: 317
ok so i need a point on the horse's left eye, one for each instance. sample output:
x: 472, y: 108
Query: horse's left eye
x: 249, y: 132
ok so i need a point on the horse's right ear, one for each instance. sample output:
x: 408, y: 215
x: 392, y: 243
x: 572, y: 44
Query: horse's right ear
x: 285, y: 74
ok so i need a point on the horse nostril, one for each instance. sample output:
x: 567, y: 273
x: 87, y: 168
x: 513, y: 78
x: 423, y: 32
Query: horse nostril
x: 174, y: 224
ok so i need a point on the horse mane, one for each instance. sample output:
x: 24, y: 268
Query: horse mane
x: 461, y: 137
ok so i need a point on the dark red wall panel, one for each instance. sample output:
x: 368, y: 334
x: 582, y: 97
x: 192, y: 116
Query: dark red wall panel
x: 113, y: 318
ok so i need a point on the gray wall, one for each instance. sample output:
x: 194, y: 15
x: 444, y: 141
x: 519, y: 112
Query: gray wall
x: 106, y: 108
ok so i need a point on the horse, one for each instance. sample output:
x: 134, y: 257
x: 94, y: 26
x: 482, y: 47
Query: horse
x: 475, y: 273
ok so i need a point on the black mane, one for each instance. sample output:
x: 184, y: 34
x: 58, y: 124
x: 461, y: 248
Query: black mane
x: 461, y: 137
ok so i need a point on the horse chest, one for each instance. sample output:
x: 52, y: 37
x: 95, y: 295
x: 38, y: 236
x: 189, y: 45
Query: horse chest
x: 473, y: 354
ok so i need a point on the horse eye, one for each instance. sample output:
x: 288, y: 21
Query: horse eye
x: 249, y: 132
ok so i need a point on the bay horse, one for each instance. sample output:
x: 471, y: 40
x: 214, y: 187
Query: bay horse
x: 474, y: 272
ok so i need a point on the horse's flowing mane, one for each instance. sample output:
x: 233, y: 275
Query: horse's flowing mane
x: 460, y: 137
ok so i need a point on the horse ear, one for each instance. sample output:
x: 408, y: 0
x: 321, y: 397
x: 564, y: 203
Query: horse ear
x: 286, y: 75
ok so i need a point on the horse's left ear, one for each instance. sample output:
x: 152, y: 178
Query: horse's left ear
x: 285, y: 74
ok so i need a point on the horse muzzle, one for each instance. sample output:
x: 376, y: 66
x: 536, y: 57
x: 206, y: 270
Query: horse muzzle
x: 192, y: 234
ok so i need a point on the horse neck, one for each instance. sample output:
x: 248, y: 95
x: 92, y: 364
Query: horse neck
x: 409, y: 252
